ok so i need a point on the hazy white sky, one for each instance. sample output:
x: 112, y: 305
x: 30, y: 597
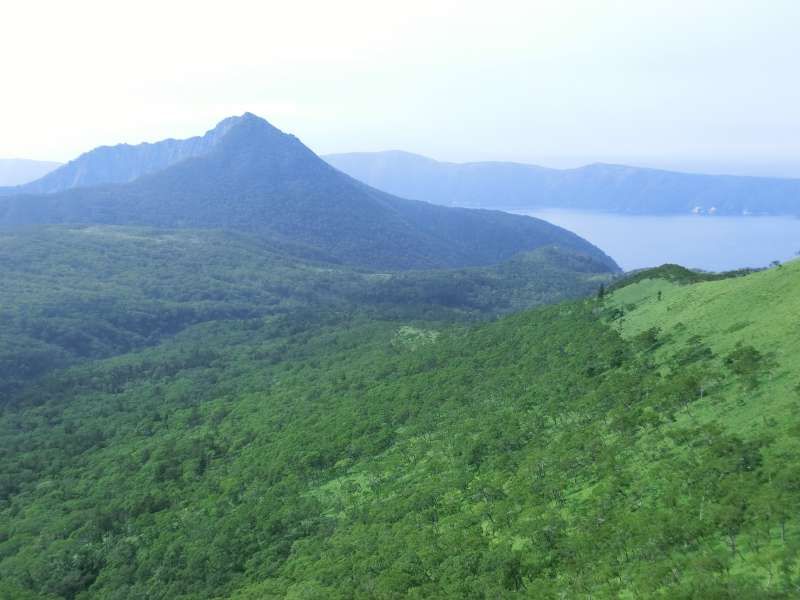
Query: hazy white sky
x: 668, y: 83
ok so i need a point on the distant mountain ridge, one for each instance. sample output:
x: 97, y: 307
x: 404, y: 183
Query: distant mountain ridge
x: 247, y: 175
x: 600, y: 187
x: 18, y: 171
x: 123, y: 163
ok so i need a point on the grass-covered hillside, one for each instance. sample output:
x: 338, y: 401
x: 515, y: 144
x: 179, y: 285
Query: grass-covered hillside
x: 751, y: 324
x: 641, y: 446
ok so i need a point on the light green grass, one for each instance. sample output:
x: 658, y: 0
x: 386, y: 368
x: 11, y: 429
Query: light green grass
x: 761, y: 310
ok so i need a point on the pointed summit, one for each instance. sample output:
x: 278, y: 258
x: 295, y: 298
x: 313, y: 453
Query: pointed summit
x: 252, y: 117
x: 246, y: 118
x: 247, y: 175
x: 124, y: 163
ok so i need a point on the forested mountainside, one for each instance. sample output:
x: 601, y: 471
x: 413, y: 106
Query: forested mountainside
x: 255, y: 178
x: 641, y: 444
x: 599, y: 187
x: 72, y: 293
x: 16, y: 171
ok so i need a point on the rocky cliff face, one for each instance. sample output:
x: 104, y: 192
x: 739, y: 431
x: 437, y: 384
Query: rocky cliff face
x: 123, y: 163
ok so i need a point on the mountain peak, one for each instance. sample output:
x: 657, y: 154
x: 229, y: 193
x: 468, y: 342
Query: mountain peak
x: 229, y: 122
x: 245, y: 118
x: 246, y: 129
x: 124, y: 163
x: 247, y: 175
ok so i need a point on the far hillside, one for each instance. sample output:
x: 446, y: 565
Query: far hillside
x: 77, y: 293
x: 245, y: 175
x: 597, y: 187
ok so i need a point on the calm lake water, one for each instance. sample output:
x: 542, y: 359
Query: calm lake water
x: 710, y: 243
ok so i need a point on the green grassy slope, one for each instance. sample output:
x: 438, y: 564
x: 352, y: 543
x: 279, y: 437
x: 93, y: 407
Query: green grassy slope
x: 761, y: 310
x: 570, y: 451
x: 760, y: 305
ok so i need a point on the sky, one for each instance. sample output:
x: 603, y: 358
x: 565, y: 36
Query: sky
x: 707, y: 85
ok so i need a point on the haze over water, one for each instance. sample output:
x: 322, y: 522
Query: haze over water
x: 709, y: 243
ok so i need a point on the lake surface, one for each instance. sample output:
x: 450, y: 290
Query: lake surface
x: 703, y: 242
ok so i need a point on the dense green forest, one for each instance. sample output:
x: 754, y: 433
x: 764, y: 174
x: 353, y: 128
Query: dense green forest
x: 83, y: 292
x: 641, y: 444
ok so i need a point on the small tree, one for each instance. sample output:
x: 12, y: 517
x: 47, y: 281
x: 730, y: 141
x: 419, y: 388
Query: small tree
x: 747, y: 362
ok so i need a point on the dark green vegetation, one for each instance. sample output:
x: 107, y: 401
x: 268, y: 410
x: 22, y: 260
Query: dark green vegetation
x: 643, y: 446
x: 601, y: 187
x: 677, y: 274
x: 249, y: 176
x: 76, y: 293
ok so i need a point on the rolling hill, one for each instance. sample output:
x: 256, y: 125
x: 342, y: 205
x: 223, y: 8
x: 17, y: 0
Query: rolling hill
x: 252, y: 177
x: 598, y: 187
x: 644, y: 445
x: 246, y: 375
